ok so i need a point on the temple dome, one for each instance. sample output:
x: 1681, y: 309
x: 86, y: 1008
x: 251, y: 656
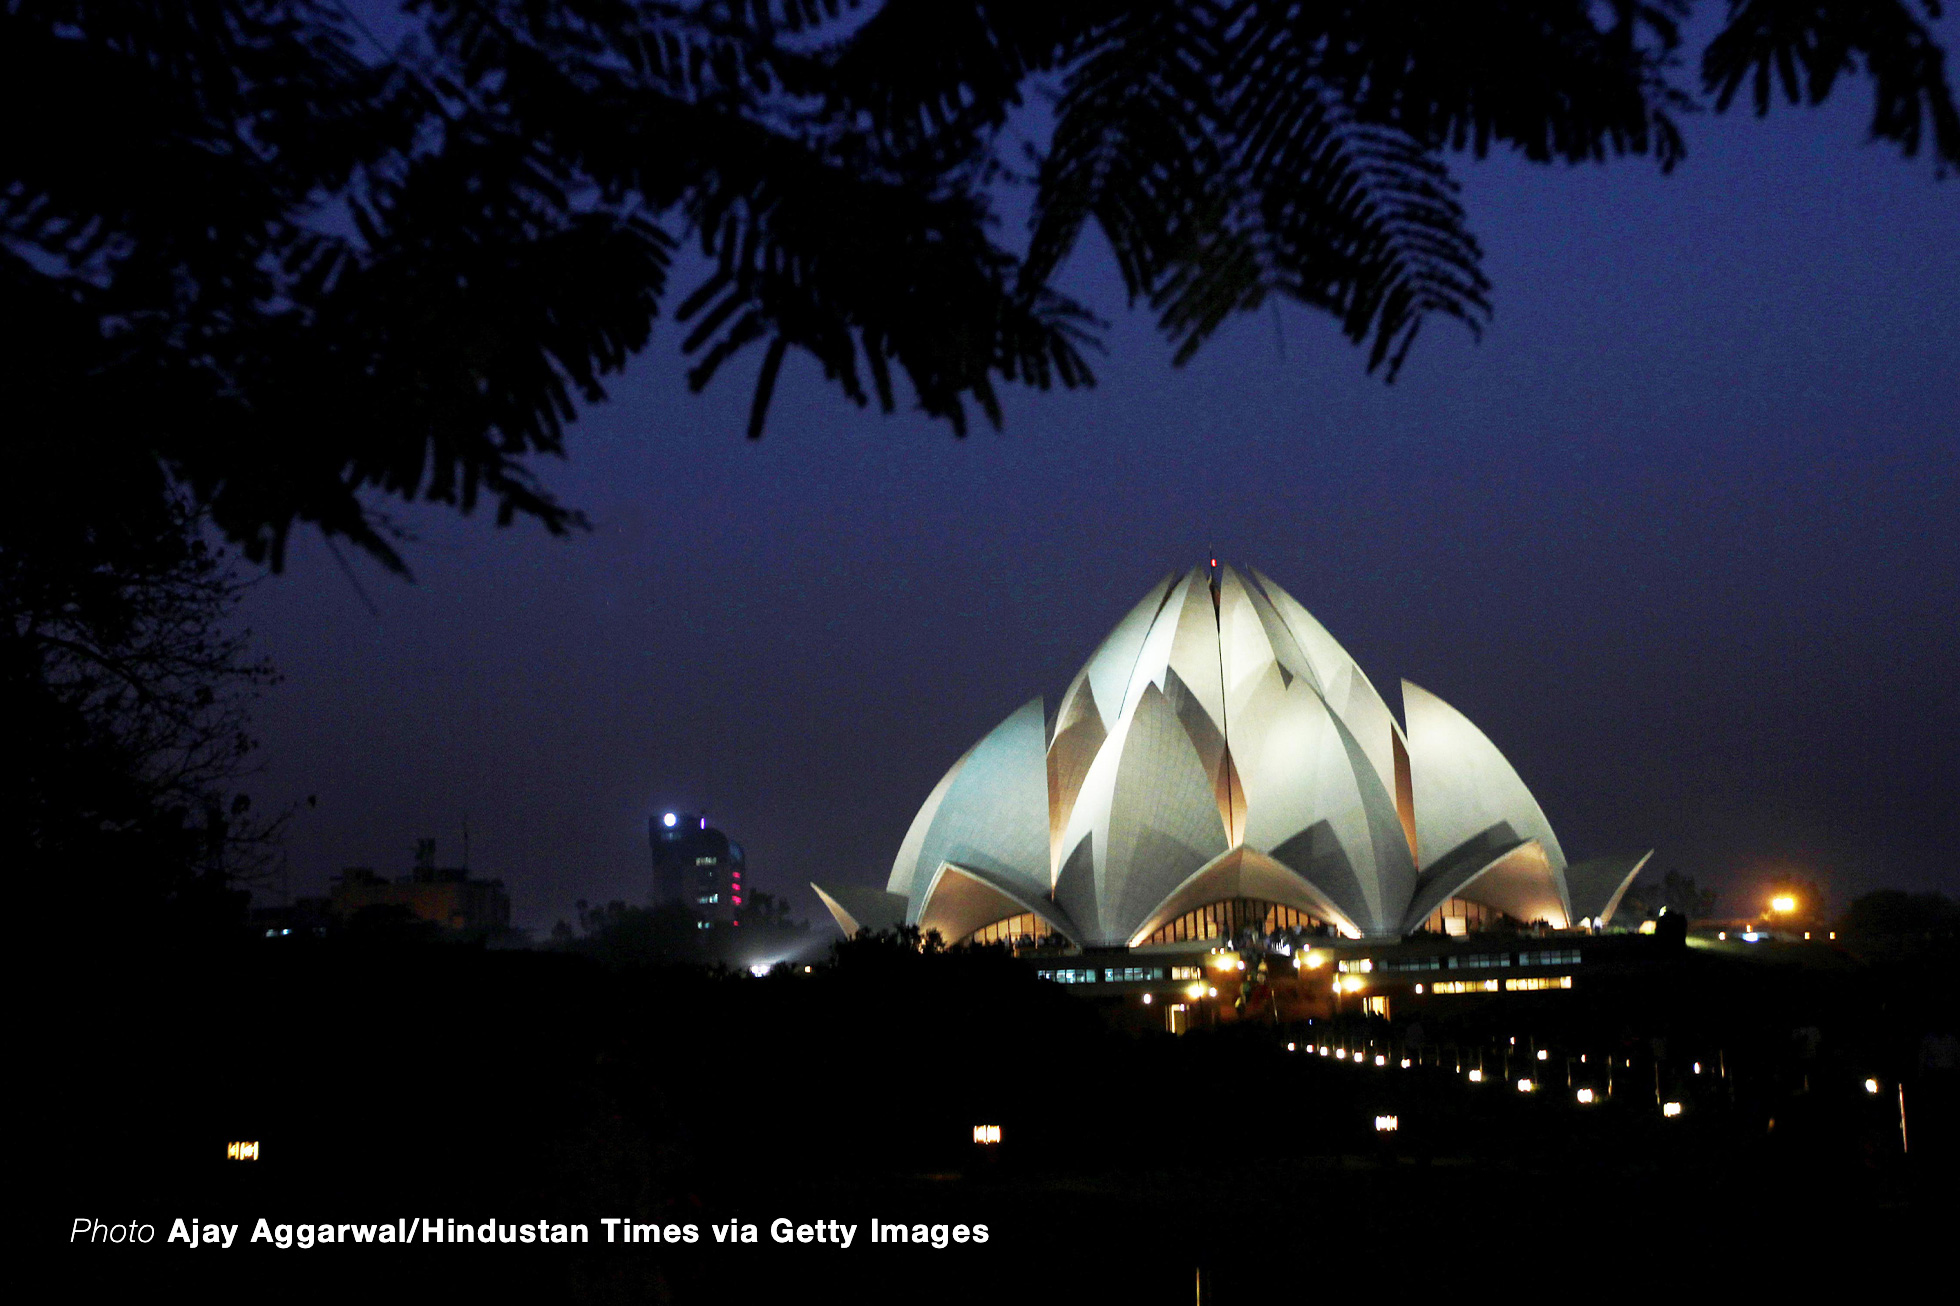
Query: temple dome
x: 1221, y: 747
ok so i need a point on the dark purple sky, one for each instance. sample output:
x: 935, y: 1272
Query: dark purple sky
x: 1680, y: 535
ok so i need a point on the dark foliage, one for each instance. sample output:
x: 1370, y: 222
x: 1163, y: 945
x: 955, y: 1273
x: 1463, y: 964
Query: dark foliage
x: 125, y: 689
x: 246, y: 247
x: 1677, y: 893
x: 1894, y: 923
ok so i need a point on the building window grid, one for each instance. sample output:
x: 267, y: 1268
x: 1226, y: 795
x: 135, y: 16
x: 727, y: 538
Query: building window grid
x: 1459, y: 916
x: 1011, y: 930
x: 1229, y: 917
x: 1464, y: 986
x: 1536, y: 983
x: 1072, y: 975
x: 1550, y: 957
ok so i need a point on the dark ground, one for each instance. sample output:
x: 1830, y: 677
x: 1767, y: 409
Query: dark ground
x: 392, y: 1082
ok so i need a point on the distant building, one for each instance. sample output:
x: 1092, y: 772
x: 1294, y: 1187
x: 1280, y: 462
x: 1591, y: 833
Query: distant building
x: 303, y: 918
x: 445, y: 896
x: 697, y: 866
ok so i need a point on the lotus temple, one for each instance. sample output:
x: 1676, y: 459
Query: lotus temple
x: 1220, y: 766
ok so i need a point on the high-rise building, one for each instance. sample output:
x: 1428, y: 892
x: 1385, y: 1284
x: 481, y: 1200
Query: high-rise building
x: 697, y: 866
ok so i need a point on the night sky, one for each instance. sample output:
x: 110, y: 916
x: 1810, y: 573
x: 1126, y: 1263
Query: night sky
x: 1679, y: 535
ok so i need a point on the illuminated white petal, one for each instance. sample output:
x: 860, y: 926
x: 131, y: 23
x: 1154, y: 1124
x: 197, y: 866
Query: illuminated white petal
x: 1243, y: 873
x: 1343, y: 683
x: 905, y: 866
x: 855, y: 907
x: 1314, y: 802
x: 1464, y: 788
x: 1110, y: 667
x: 1146, y: 818
x: 961, y: 899
x: 1597, y: 884
x: 994, y: 815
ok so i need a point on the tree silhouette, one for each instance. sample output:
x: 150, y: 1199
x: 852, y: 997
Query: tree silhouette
x: 251, y: 250
x: 127, y: 690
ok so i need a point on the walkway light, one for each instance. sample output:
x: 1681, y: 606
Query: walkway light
x: 1380, y: 1060
x: 1871, y: 1086
x: 1526, y: 1086
x: 1585, y: 1096
x: 1476, y: 1076
x: 1544, y: 1055
x: 1405, y: 1063
x: 1670, y: 1109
